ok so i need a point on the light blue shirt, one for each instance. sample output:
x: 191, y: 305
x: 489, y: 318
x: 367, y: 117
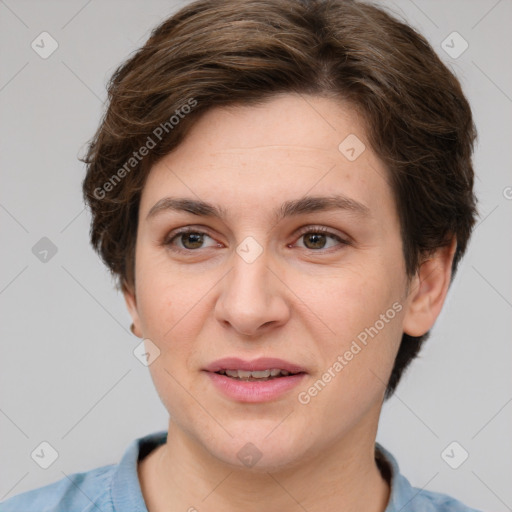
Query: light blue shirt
x: 116, y: 488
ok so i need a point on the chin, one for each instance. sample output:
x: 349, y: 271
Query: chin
x: 257, y: 451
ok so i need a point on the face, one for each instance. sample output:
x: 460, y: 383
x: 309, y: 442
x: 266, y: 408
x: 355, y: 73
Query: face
x: 322, y: 288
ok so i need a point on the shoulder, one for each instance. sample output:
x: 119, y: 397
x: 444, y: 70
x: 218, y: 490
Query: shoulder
x: 429, y: 501
x: 406, y: 498
x: 78, y: 492
x: 110, y: 488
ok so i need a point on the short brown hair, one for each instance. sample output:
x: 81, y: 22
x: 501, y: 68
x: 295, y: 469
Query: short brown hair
x: 224, y: 52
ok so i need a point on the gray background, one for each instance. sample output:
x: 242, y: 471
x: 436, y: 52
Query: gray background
x: 68, y: 375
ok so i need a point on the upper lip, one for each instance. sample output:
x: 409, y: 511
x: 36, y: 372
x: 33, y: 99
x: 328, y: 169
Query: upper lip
x: 260, y: 364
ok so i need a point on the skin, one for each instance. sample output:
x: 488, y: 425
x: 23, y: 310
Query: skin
x: 302, y: 302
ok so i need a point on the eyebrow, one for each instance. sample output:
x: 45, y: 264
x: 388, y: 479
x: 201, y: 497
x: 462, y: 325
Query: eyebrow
x: 290, y: 208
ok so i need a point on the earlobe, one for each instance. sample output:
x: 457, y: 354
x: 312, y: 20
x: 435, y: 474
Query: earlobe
x: 131, y: 304
x: 428, y: 291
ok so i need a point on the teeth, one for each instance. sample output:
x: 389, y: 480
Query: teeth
x: 262, y: 374
x: 259, y: 374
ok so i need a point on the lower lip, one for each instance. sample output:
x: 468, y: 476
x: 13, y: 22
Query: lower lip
x: 254, y: 391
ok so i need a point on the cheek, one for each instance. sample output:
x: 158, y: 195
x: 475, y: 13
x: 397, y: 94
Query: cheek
x: 168, y: 318
x: 356, y: 360
x: 351, y: 299
x: 164, y: 294
x: 362, y: 309
x: 172, y: 314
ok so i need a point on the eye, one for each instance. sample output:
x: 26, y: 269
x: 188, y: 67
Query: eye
x: 189, y: 238
x: 316, y: 238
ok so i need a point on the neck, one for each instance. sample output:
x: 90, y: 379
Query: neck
x: 343, y: 477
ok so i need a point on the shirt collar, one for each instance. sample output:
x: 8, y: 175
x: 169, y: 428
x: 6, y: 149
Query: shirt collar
x: 126, y: 491
x: 401, y: 491
x: 127, y: 494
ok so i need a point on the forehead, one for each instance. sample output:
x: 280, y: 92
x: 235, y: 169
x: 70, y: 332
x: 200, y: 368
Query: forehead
x: 249, y: 157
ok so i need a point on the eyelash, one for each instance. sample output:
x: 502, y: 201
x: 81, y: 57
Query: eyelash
x: 168, y: 241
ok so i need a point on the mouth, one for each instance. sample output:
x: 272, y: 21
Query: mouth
x: 257, y: 376
x: 260, y: 380
x: 261, y: 368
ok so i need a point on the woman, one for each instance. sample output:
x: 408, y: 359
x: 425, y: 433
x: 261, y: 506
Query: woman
x: 283, y: 190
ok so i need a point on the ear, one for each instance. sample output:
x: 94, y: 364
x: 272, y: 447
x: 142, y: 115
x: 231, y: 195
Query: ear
x: 131, y: 303
x: 428, y: 291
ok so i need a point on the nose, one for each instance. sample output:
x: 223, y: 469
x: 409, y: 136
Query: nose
x: 252, y: 298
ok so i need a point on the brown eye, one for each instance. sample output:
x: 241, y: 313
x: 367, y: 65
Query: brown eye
x: 194, y: 239
x: 314, y: 240
x: 317, y: 238
x: 187, y: 240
